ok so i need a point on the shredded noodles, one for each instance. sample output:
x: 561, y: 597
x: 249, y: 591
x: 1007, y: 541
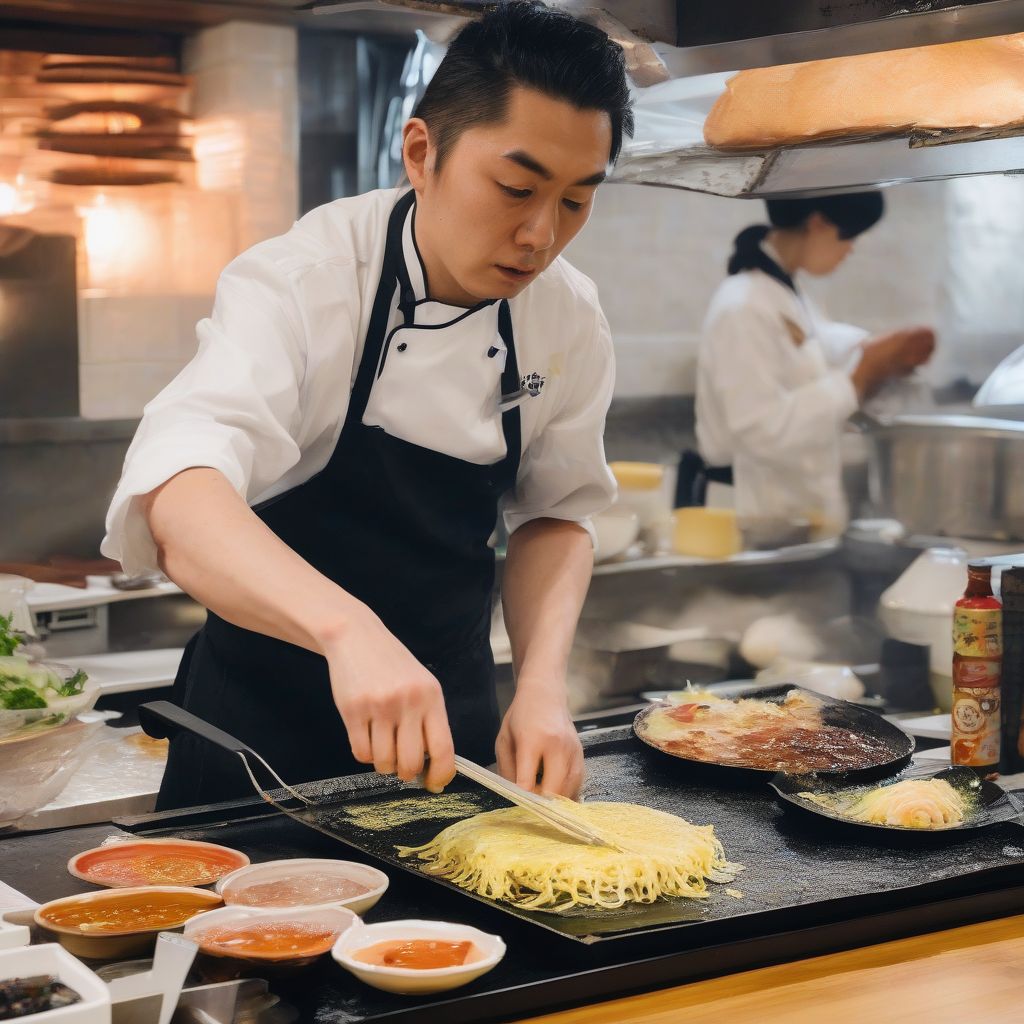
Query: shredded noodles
x: 510, y: 855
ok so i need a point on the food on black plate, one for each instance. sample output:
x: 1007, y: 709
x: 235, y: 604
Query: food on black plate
x: 787, y: 736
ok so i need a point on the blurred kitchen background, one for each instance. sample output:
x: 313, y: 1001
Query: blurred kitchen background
x: 144, y: 145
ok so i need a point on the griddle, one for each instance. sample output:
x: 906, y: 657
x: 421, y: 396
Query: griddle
x: 804, y: 893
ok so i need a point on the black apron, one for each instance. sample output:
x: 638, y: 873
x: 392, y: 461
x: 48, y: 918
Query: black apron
x: 402, y: 528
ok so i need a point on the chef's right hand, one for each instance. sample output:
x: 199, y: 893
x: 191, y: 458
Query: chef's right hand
x: 892, y: 355
x: 392, y: 707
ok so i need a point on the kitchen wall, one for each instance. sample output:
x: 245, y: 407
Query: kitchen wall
x: 245, y: 102
x: 949, y: 254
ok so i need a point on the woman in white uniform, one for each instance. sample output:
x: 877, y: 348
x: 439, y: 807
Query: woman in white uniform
x: 370, y: 387
x: 776, y: 380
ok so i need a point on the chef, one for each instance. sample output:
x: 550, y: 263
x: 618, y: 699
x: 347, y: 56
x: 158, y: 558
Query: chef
x: 776, y: 379
x: 325, y: 475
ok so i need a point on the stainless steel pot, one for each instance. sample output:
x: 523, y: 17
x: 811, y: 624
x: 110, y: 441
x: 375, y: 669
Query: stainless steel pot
x: 948, y: 476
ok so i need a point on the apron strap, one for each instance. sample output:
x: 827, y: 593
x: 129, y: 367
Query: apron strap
x: 391, y: 267
x: 511, y: 424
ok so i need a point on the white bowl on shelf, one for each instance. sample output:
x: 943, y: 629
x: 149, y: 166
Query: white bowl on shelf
x: 410, y: 980
x: 617, y: 530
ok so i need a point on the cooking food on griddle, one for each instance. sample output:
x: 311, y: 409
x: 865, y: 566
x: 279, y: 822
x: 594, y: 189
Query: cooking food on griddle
x: 418, y: 954
x: 23, y: 997
x: 912, y: 803
x: 789, y: 736
x: 511, y: 855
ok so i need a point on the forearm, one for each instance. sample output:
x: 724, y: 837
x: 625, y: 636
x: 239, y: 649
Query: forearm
x: 547, y: 573
x: 217, y: 550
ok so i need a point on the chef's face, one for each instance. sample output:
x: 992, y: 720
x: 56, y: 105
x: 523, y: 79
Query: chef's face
x: 823, y: 249
x: 508, y: 197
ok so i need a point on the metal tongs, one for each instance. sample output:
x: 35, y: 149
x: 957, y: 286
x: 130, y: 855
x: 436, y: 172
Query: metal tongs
x: 161, y: 719
x: 551, y: 811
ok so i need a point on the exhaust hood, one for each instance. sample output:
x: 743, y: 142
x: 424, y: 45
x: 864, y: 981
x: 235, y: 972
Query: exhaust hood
x: 677, y: 51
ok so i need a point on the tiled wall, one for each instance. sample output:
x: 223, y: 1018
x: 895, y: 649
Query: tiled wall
x: 948, y: 253
x: 133, y: 340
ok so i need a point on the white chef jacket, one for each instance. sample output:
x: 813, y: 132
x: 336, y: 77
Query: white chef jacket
x: 773, y: 393
x: 1005, y: 384
x: 265, y: 397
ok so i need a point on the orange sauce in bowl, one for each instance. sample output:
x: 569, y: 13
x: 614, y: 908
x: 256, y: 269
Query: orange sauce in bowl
x: 170, y: 863
x: 418, y: 954
x: 273, y: 940
x: 119, y: 913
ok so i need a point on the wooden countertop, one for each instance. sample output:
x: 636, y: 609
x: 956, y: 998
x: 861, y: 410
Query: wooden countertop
x: 969, y: 974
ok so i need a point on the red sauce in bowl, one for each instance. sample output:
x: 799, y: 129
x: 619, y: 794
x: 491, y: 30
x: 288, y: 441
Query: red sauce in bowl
x: 418, y: 954
x: 268, y: 940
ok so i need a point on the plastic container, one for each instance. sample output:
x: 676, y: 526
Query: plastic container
x: 51, y: 959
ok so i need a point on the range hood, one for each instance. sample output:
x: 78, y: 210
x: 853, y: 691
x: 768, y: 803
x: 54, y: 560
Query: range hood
x: 682, y: 48
x: 670, y: 45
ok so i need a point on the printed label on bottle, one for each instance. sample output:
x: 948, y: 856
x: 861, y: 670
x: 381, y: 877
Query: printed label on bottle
x: 978, y: 632
x: 975, y: 733
x: 976, y: 672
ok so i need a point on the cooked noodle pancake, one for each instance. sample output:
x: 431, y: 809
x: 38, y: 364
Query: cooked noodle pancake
x: 512, y: 856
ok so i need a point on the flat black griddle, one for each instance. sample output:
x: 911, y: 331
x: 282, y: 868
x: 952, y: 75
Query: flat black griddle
x: 899, y: 746
x: 806, y: 891
x: 789, y: 865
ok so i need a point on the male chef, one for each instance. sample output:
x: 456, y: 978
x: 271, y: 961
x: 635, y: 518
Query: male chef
x: 369, y: 390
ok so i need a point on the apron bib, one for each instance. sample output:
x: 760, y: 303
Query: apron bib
x: 402, y: 527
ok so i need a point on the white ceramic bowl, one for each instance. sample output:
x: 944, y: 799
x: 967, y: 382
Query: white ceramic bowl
x: 339, y: 919
x: 275, y: 870
x: 617, y: 530
x: 115, y: 849
x: 51, y: 959
x: 408, y: 980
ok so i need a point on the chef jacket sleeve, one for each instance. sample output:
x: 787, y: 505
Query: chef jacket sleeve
x: 564, y: 473
x: 235, y: 407
x: 764, y: 414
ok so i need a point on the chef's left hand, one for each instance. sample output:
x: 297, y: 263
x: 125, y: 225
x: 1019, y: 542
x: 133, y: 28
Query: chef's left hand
x: 538, y: 738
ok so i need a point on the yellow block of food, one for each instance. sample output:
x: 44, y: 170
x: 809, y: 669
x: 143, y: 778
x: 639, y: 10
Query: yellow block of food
x: 706, y: 532
x: 638, y: 476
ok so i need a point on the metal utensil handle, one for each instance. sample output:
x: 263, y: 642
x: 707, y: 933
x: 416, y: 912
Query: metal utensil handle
x: 543, y: 807
x: 163, y: 720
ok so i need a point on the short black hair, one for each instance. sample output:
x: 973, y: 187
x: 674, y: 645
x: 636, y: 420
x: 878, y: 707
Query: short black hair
x: 851, y: 212
x: 522, y: 42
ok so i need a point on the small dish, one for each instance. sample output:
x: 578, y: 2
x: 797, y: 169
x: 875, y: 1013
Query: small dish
x: 237, y: 889
x: 171, y: 907
x: 248, y: 934
x: 49, y: 959
x: 411, y: 980
x: 141, y: 862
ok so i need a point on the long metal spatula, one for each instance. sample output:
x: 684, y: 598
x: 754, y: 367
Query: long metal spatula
x: 162, y: 720
x: 556, y: 813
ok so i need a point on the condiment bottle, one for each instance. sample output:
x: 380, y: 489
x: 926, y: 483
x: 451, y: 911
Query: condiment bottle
x: 1011, y: 684
x: 977, y: 673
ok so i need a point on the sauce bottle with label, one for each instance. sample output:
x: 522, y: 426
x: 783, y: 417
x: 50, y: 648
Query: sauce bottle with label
x: 977, y: 673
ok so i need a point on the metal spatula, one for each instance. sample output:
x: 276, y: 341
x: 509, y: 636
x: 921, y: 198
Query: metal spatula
x: 550, y: 811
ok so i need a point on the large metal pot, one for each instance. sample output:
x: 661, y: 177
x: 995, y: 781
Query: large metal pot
x: 949, y: 476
